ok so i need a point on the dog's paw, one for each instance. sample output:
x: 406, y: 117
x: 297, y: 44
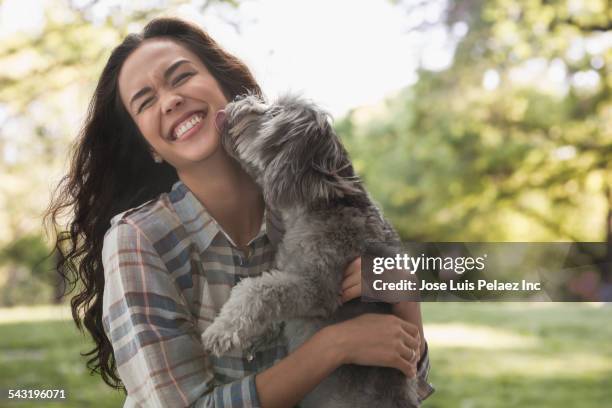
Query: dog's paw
x: 219, y: 339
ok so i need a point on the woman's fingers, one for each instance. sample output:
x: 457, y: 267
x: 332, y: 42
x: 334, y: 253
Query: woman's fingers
x: 410, y: 339
x: 409, y: 353
x: 406, y: 366
x: 411, y: 342
x: 351, y: 280
x: 409, y: 328
x: 415, y: 340
x: 379, y: 340
x: 350, y: 293
x: 353, y: 268
x: 406, y: 332
x: 408, y: 359
x: 351, y: 283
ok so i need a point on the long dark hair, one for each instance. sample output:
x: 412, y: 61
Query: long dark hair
x: 112, y: 171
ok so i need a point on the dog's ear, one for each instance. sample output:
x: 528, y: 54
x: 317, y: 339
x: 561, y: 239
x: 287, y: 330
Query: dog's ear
x: 326, y: 171
x: 341, y: 184
x: 331, y: 161
x: 309, y: 164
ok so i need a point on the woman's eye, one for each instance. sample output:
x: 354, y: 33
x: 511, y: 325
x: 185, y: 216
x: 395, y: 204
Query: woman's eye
x: 181, y: 77
x: 145, y: 104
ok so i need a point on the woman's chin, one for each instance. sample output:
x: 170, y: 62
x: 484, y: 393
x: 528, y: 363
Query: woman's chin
x: 200, y: 153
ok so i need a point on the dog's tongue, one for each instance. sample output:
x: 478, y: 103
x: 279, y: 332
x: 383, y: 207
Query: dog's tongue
x: 220, y: 120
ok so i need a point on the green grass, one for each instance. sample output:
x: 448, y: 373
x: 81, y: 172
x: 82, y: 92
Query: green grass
x: 487, y: 355
x: 520, y: 355
x: 44, y: 354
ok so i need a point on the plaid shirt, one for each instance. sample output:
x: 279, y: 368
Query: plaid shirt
x: 169, y: 268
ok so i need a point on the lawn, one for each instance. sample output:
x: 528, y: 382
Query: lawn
x: 39, y: 349
x: 485, y: 355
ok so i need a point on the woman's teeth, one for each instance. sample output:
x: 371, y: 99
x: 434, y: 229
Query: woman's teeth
x: 186, y: 125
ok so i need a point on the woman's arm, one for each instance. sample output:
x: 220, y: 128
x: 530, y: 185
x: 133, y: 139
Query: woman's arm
x: 411, y: 312
x: 288, y: 381
x: 370, y: 339
x: 407, y: 311
x: 154, y: 335
x: 367, y: 340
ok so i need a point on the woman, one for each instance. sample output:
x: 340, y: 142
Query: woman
x: 165, y: 223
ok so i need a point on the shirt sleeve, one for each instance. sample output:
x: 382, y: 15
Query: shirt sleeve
x: 424, y: 388
x: 156, y: 345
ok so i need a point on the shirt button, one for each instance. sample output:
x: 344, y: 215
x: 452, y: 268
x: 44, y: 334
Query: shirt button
x: 249, y: 357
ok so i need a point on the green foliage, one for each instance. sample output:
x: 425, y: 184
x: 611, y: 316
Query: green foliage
x: 29, y: 251
x: 454, y: 158
x: 30, y: 277
x: 447, y: 158
x: 46, y: 81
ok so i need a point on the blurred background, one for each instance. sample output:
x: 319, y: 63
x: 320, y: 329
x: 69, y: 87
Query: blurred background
x: 468, y: 120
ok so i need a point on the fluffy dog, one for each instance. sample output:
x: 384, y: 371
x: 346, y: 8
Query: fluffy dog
x: 291, y: 150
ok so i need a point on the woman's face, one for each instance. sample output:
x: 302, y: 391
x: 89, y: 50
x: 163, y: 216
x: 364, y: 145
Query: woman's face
x: 173, y: 99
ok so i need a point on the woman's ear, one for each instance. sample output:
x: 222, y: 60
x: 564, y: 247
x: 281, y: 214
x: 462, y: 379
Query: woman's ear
x: 220, y: 120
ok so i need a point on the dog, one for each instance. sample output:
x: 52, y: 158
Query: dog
x: 292, y: 152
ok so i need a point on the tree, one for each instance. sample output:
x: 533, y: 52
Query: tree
x: 46, y: 81
x: 494, y: 148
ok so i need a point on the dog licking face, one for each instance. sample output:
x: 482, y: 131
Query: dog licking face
x: 289, y: 148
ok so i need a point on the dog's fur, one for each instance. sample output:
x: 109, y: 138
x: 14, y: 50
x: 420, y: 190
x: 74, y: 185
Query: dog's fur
x: 291, y: 150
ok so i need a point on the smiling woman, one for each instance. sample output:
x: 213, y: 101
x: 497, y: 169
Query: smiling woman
x: 164, y: 223
x: 167, y: 118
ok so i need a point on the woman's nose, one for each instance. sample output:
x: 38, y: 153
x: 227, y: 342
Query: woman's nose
x: 171, y: 101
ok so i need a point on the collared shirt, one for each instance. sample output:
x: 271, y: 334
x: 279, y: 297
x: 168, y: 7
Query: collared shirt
x: 169, y: 267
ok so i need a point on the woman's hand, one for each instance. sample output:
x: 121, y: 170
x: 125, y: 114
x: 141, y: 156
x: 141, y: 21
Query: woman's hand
x: 378, y: 340
x: 407, y: 313
x: 351, y: 282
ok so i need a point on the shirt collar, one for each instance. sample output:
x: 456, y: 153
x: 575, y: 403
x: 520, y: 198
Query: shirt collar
x: 198, y: 221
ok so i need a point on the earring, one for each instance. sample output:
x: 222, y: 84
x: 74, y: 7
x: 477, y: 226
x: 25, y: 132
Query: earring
x: 157, y: 158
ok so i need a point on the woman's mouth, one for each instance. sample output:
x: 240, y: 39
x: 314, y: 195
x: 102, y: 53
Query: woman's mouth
x: 188, y: 127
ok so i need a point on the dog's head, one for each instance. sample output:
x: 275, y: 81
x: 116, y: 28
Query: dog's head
x: 290, y: 149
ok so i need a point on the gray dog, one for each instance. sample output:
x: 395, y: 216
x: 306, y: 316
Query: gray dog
x: 291, y: 150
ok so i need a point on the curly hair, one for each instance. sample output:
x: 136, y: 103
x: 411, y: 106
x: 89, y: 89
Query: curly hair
x: 112, y: 171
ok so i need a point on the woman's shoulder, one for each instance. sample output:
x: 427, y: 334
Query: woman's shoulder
x: 154, y: 218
